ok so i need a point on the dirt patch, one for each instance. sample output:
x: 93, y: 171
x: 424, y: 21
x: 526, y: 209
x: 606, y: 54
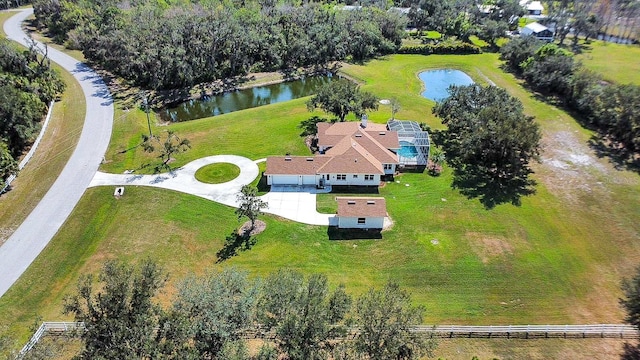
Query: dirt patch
x: 259, y: 227
x: 489, y: 247
x: 5, y: 233
x: 570, y: 167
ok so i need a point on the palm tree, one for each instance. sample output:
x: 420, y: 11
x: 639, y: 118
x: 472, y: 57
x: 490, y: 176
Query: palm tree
x: 437, y: 157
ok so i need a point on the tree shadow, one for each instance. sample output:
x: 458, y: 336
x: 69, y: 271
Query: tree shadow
x: 618, y: 155
x: 630, y: 352
x: 335, y: 233
x: 235, y: 243
x: 492, y: 190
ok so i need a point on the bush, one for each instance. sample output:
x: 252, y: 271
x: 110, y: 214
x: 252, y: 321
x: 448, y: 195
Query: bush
x: 457, y: 48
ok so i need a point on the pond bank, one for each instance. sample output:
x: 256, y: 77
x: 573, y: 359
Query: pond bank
x: 161, y: 99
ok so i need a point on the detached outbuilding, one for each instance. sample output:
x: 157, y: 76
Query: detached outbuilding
x: 361, y: 212
x: 538, y: 30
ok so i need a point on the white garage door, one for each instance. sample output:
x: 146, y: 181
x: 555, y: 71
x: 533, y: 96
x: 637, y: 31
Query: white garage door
x: 308, y: 179
x: 284, y: 179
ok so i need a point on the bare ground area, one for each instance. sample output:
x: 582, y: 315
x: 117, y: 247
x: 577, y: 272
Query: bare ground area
x: 258, y: 227
x: 572, y: 172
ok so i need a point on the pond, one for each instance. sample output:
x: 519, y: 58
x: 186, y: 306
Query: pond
x: 436, y: 82
x: 243, y: 99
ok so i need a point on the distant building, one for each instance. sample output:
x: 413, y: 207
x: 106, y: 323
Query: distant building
x: 538, y: 30
x: 532, y: 8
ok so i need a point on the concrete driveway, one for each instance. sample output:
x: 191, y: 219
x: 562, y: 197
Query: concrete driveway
x: 184, y: 180
x: 24, y: 245
x: 297, y: 203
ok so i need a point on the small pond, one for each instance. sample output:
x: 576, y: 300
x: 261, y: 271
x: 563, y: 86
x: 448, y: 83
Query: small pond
x: 436, y: 82
x: 243, y: 99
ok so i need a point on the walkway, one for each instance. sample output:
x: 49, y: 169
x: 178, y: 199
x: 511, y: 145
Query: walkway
x: 47, y: 217
x: 296, y: 203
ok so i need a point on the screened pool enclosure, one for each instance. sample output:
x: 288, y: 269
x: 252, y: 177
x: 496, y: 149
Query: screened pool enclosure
x: 414, y: 142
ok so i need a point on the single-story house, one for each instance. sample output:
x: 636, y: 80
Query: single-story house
x: 538, y: 30
x: 361, y: 212
x: 534, y: 8
x: 352, y: 153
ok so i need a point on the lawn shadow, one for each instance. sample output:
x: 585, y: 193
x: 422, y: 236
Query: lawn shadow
x: 414, y: 169
x: 335, y: 233
x: 262, y: 186
x: 618, y: 155
x: 630, y: 352
x: 355, y: 189
x: 235, y: 243
x: 492, y: 190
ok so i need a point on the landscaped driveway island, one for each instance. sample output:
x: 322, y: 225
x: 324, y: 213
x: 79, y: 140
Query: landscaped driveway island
x: 296, y: 203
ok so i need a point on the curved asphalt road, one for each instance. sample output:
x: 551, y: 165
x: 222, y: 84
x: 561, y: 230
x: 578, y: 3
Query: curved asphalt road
x: 48, y: 216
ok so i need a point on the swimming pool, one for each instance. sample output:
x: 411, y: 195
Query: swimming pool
x: 407, y: 150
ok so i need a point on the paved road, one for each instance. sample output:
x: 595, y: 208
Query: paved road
x: 43, y: 223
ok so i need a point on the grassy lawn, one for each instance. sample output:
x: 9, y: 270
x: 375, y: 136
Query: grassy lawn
x: 217, y: 173
x: 239, y: 133
x: 615, y: 62
x: 4, y: 15
x: 557, y: 258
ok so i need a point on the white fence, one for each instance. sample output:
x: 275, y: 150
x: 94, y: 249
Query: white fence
x: 32, y: 150
x: 619, y: 331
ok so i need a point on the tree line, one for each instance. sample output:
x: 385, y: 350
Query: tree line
x: 27, y: 86
x: 611, y: 109
x: 163, y: 45
x: 210, y: 316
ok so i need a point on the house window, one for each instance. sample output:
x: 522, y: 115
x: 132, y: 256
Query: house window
x: 362, y: 220
x: 342, y: 176
x: 387, y: 166
x: 355, y: 176
x: 368, y: 177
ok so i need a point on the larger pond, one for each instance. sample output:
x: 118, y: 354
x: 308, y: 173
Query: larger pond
x: 436, y: 82
x: 243, y: 99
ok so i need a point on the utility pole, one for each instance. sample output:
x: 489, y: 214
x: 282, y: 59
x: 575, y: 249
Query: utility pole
x: 145, y: 101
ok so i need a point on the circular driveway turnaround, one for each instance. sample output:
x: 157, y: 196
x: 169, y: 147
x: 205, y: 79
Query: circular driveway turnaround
x: 297, y: 203
x: 17, y: 253
x: 184, y: 179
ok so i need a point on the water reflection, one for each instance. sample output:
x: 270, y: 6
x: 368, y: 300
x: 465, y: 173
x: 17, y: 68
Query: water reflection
x: 243, y: 99
x: 436, y: 82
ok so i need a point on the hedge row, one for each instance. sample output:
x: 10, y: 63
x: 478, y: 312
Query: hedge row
x: 442, y: 48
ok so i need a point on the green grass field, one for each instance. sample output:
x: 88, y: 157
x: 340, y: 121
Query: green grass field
x: 615, y: 62
x: 217, y: 173
x: 557, y: 258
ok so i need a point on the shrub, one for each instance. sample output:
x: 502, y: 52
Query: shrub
x: 457, y: 48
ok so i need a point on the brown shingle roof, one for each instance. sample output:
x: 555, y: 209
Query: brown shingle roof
x: 329, y: 134
x: 361, y: 206
x: 387, y: 138
x: 348, y: 156
x: 375, y: 148
x: 295, y: 165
